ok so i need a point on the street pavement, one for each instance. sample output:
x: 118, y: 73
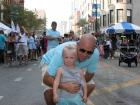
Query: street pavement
x: 21, y: 84
x: 116, y: 85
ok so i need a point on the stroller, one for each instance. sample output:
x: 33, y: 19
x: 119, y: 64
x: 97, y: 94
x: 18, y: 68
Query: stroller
x: 128, y: 54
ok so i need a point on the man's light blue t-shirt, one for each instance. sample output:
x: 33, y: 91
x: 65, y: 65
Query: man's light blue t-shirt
x: 53, y: 43
x: 53, y: 58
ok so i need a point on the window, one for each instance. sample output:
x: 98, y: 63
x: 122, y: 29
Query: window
x: 103, y: 4
x: 118, y: 1
x: 129, y: 15
x: 112, y: 16
x: 119, y: 15
x: 110, y: 1
x: 104, y: 20
x: 128, y: 1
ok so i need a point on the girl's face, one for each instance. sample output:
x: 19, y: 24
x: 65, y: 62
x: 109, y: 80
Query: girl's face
x: 69, y: 58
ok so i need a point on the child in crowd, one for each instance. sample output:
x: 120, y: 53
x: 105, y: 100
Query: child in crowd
x: 68, y: 72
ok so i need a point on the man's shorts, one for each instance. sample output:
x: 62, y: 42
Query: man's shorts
x: 22, y: 50
x: 44, y: 68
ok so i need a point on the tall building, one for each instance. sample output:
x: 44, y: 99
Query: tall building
x: 75, y: 17
x: 114, y: 11
x: 108, y: 12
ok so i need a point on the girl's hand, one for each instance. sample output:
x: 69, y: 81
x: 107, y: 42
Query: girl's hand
x: 85, y: 98
x: 55, y: 98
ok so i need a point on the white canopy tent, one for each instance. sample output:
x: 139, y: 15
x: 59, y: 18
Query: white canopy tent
x: 5, y: 28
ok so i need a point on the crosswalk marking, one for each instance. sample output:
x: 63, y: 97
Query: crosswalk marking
x: 18, y: 79
x: 29, y: 69
x: 1, y: 97
x: 34, y: 64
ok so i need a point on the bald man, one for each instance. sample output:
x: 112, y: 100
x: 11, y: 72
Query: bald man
x: 88, y: 57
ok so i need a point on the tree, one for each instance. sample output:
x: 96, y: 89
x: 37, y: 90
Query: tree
x: 82, y: 23
x: 22, y: 16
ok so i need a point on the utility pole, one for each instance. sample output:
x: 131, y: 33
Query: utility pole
x: 1, y: 11
x: 96, y: 17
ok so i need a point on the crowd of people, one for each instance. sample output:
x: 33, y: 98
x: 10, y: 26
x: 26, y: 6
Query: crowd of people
x: 22, y: 47
x: 25, y: 46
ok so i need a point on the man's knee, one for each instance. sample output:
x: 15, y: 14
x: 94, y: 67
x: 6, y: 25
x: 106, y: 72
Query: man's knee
x: 48, y: 96
x: 90, y: 88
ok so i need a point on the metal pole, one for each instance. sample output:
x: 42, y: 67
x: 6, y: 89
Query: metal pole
x: 96, y: 17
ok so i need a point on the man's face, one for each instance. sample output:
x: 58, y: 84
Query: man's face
x: 84, y: 51
x: 54, y: 25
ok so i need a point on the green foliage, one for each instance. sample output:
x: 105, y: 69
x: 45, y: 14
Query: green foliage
x: 82, y: 22
x: 23, y: 17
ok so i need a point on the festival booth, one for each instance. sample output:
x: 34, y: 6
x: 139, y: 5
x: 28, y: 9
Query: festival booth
x: 124, y: 30
x: 5, y: 28
x: 123, y: 27
x: 129, y: 33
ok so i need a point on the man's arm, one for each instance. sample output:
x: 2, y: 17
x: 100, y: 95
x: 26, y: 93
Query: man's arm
x: 52, y: 37
x: 49, y: 37
x: 48, y: 79
x: 69, y: 86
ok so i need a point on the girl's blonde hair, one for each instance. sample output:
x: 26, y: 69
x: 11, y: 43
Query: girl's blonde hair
x: 71, y: 48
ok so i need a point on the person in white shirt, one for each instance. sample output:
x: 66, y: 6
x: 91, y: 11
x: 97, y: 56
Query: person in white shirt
x: 23, y: 46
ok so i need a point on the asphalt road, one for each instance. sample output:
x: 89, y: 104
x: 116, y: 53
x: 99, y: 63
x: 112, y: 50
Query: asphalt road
x: 116, y: 85
x: 21, y: 85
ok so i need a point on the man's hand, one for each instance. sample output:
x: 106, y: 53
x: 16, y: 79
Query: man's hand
x: 71, y: 87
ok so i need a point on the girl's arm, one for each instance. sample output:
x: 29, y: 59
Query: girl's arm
x: 56, y: 84
x: 84, y: 85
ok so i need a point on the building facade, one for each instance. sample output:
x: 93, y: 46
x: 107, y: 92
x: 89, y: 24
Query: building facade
x: 109, y: 12
x: 114, y: 11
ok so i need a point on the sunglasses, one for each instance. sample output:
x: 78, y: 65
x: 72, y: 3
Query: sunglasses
x: 85, y: 51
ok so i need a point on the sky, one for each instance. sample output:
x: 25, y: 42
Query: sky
x: 56, y: 10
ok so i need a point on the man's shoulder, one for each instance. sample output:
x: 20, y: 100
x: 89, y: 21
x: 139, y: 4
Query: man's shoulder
x: 95, y: 55
x: 96, y: 51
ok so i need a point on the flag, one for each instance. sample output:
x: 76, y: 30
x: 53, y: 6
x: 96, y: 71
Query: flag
x: 17, y: 28
x: 91, y: 19
x: 13, y: 26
